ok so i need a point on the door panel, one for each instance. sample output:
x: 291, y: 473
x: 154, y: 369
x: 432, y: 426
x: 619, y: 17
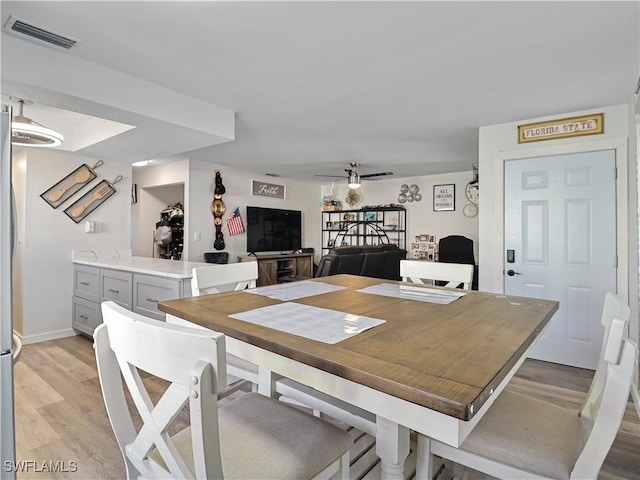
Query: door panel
x: 560, y: 218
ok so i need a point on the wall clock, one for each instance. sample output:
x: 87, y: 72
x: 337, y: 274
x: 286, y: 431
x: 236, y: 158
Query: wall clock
x: 470, y: 210
x: 472, y: 192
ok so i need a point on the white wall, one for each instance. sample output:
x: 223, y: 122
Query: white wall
x: 198, y: 180
x: 46, y: 236
x: 420, y: 215
x: 499, y: 142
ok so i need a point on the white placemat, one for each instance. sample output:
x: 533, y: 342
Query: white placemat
x: 294, y: 290
x: 321, y: 324
x: 421, y: 294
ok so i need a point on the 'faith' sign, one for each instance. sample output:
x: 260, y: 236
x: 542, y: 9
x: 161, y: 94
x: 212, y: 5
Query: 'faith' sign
x: 264, y: 189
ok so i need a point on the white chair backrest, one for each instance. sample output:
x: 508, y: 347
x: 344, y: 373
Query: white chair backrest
x: 190, y: 359
x: 613, y: 307
x: 239, y: 276
x: 602, y: 415
x: 416, y: 271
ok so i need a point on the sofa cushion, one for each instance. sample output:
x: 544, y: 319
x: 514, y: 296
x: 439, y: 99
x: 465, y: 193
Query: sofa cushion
x: 373, y: 264
x: 391, y: 268
x: 378, y: 261
x: 351, y: 264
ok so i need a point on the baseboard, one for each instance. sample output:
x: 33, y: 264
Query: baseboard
x: 43, y: 337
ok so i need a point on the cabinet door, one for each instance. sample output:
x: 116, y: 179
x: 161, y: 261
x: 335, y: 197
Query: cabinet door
x: 86, y: 282
x: 304, y: 266
x: 86, y: 315
x: 149, y: 290
x: 115, y: 285
x: 267, y: 272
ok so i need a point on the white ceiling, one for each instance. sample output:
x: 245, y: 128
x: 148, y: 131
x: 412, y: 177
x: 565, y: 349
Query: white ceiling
x: 400, y: 86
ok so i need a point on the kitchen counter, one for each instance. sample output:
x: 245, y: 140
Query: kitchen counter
x: 135, y: 283
x: 119, y: 259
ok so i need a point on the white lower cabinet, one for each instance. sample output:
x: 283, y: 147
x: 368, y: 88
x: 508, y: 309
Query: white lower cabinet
x: 149, y: 290
x: 116, y: 286
x: 86, y: 315
x: 134, y: 291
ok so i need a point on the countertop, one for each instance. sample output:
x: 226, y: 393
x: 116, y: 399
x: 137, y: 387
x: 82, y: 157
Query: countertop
x: 120, y: 260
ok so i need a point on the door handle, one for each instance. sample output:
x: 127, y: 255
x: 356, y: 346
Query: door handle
x: 511, y: 273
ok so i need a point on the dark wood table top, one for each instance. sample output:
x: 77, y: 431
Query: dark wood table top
x: 445, y: 357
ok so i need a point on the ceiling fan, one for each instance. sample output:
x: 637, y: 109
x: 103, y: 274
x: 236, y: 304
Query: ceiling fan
x: 353, y: 178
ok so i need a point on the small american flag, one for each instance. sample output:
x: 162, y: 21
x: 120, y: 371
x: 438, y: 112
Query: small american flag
x: 235, y: 225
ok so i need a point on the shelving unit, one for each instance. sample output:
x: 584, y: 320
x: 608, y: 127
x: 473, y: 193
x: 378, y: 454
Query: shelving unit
x: 364, y: 227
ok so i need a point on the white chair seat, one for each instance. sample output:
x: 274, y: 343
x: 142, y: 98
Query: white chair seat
x: 511, y: 431
x: 262, y: 438
x: 525, y: 438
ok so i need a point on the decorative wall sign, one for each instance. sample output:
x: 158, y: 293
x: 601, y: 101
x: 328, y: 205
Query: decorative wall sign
x: 70, y: 184
x: 563, y: 128
x: 444, y: 197
x: 265, y: 189
x: 91, y: 200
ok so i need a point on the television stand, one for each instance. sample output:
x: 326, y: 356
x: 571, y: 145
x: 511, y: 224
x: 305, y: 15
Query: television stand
x: 272, y: 268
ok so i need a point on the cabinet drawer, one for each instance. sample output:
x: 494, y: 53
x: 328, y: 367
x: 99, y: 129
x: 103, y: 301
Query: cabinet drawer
x: 149, y: 290
x: 116, y: 286
x: 86, y: 282
x: 86, y: 315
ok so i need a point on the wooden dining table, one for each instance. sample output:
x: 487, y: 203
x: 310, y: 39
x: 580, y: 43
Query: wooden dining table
x: 427, y: 367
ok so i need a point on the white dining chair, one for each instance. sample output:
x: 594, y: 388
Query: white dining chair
x: 525, y: 438
x: 236, y: 276
x: 209, y: 280
x: 417, y: 271
x: 252, y: 436
x: 613, y: 307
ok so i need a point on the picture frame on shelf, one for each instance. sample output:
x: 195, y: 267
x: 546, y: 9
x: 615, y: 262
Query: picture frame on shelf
x: 330, y: 242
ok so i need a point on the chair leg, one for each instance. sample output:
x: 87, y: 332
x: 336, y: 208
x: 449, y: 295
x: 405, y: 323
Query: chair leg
x: 345, y: 462
x: 459, y: 472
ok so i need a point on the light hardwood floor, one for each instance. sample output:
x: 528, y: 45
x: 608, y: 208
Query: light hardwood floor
x: 60, y: 415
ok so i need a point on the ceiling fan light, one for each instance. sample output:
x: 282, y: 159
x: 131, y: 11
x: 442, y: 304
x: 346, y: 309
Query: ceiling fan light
x: 353, y: 180
x: 27, y: 133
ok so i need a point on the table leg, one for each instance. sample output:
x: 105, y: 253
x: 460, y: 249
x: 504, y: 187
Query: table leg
x: 266, y: 382
x: 392, y: 446
x: 424, y: 459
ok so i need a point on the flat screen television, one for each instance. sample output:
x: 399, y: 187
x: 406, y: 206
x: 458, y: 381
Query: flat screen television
x: 273, y: 230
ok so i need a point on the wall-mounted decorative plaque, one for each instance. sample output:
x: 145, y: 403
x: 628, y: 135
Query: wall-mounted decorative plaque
x: 266, y: 189
x: 91, y: 200
x: 563, y: 128
x: 70, y: 184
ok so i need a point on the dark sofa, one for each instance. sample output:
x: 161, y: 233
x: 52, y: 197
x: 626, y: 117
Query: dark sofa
x: 379, y: 261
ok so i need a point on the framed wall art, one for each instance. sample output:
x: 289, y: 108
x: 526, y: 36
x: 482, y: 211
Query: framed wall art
x: 444, y: 197
x: 91, y: 200
x: 69, y: 185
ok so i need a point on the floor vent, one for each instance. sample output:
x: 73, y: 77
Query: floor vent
x: 38, y: 33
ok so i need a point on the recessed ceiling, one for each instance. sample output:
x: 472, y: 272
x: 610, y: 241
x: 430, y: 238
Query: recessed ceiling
x: 80, y: 131
x: 399, y: 86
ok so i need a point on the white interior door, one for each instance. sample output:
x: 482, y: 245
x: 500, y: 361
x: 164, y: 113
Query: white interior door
x: 560, y: 244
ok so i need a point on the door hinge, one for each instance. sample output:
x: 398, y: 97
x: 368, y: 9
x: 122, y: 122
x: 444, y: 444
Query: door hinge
x: 615, y: 173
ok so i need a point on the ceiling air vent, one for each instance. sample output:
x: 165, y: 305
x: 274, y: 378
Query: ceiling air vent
x: 20, y: 26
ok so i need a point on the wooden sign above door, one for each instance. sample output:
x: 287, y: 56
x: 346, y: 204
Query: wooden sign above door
x: 562, y: 128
